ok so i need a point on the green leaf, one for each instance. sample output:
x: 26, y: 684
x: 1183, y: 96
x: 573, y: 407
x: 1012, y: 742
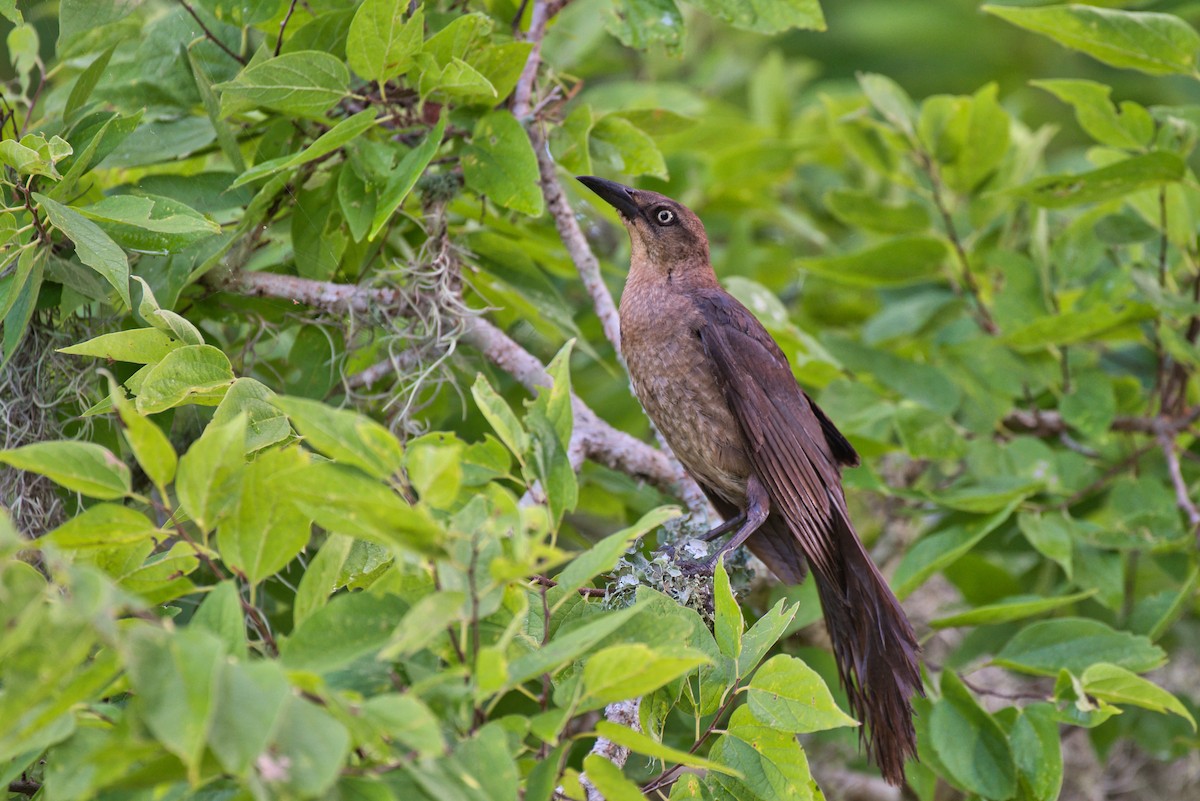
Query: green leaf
x: 1106, y: 183
x: 250, y: 700
x: 628, y: 671
x: 345, y: 436
x: 970, y: 744
x: 788, y: 695
x: 767, y: 16
x: 500, y: 164
x: 337, y: 136
x: 349, y: 627
x: 265, y: 424
x: 345, y: 500
x: 1067, y: 328
x: 380, y: 45
x: 770, y: 762
x: 602, y: 557
x: 1075, y: 644
x: 1117, y: 685
x: 212, y: 107
x: 407, y: 721
x: 863, y: 210
x: 405, y: 176
x: 1091, y: 406
x: 320, y: 580
x: 938, y: 551
x: 1157, y: 44
x: 765, y: 632
x: 265, y: 530
x: 103, y: 526
x: 92, y: 245
x: 150, y: 224
x: 423, y: 623
x: 641, y: 743
x: 150, y: 445
x: 198, y: 374
x: 208, y: 480
x: 500, y: 416
x: 82, y: 467
x: 1017, y: 608
x: 898, y: 262
x: 1132, y: 128
x: 1037, y: 752
x: 564, y: 648
x: 890, y: 100
x: 641, y: 23
x: 728, y: 623
x: 434, y: 467
x: 608, y: 779
x: 174, y: 677
x: 306, y: 83
x: 221, y: 613
x: 630, y: 149
x: 314, y: 746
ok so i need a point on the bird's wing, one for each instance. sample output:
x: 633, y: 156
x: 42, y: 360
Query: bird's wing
x: 793, y: 447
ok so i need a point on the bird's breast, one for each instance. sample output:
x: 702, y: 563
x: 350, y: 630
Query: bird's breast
x: 676, y: 386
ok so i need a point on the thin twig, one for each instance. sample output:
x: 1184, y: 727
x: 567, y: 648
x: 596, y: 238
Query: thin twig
x: 210, y: 35
x: 982, y: 316
x: 545, y: 581
x: 283, y: 25
x: 671, y: 774
x: 1182, y: 496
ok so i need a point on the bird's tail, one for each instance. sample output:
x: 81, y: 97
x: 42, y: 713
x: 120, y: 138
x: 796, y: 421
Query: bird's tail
x: 876, y: 652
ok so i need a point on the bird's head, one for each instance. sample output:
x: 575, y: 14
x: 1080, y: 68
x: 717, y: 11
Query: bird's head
x: 663, y: 233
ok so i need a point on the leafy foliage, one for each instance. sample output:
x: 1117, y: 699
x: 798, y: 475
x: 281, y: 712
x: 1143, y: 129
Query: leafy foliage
x: 312, y: 543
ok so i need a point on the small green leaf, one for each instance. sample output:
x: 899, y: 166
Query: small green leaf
x: 500, y: 416
x: 407, y: 721
x: 82, y: 467
x: 313, y: 744
x: 630, y: 149
x: 771, y: 763
x: 938, y: 551
x: 1106, y: 183
x: 380, y: 45
x: 250, y: 699
x: 863, y: 209
x: 890, y: 100
x: 174, y: 677
x: 1017, y: 608
x: 434, y: 467
x: 150, y: 224
x: 425, y: 622
x: 641, y: 743
x: 1067, y: 328
x: 265, y: 530
x: 150, y: 445
x: 208, y: 480
x: 198, y: 374
x: 970, y: 744
x: 765, y: 632
x: 345, y: 500
x: 729, y: 623
x: 221, y: 613
x: 767, y: 16
x: 603, y: 556
x: 1075, y: 644
x: 500, y: 164
x: 306, y: 83
x: 1117, y: 685
x: 628, y: 671
x: 1157, y: 44
x: 345, y: 436
x: 641, y: 23
x: 564, y: 648
x: 405, y: 176
x: 320, y: 580
x: 1037, y: 751
x: 608, y: 779
x: 337, y: 136
x: 788, y: 695
x: 265, y: 423
x: 92, y: 245
x: 1132, y: 128
x: 103, y: 526
x: 898, y: 262
x: 349, y: 627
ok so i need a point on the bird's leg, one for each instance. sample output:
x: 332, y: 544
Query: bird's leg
x: 758, y: 506
x: 709, y: 536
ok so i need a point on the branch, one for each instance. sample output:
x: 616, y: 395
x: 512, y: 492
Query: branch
x: 543, y: 12
x: 210, y: 35
x: 1182, y: 498
x: 597, y: 439
x: 1051, y: 423
x: 623, y: 713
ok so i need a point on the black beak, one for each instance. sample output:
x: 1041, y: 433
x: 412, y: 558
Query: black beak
x: 616, y: 195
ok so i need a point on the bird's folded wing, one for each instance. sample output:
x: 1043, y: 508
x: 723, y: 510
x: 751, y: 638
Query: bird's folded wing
x: 786, y: 441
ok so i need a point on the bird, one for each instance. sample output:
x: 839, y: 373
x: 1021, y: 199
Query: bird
x: 722, y: 394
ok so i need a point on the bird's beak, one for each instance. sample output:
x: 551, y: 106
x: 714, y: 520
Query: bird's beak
x: 616, y: 195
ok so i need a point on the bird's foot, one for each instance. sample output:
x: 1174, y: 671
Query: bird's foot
x: 705, y: 567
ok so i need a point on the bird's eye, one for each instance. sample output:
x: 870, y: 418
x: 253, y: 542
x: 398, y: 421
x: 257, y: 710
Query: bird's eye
x: 665, y: 216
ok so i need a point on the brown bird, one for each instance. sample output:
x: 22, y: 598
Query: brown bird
x: 723, y: 395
